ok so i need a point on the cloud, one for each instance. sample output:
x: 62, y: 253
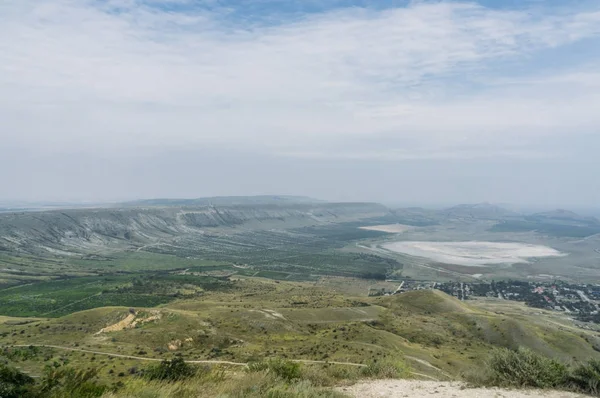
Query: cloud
x: 443, y: 79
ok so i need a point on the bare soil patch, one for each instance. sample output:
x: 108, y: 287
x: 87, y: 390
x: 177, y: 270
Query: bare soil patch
x: 423, y: 389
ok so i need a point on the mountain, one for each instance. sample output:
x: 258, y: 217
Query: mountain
x: 83, y: 230
x: 563, y: 223
x: 485, y: 211
x: 416, y: 216
x: 565, y: 216
x: 222, y: 201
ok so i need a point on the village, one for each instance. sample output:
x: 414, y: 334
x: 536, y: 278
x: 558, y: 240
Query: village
x: 579, y: 300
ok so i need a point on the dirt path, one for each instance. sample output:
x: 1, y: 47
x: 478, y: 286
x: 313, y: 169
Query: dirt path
x: 110, y: 354
x: 309, y: 361
x: 424, y: 389
x: 56, y: 347
x: 429, y: 365
x: 216, y: 362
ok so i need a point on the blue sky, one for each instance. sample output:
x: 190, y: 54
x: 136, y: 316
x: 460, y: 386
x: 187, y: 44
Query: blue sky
x: 413, y: 95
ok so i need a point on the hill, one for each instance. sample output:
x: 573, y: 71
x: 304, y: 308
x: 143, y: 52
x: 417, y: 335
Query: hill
x: 481, y: 211
x: 552, y: 223
x: 565, y: 216
x: 436, y: 334
x: 85, y: 230
x: 431, y: 302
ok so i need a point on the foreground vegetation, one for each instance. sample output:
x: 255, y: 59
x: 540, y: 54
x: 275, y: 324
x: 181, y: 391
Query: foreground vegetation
x: 524, y: 368
x: 277, y: 378
x: 175, y: 378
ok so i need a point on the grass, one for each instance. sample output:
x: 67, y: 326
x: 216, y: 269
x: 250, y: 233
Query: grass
x: 388, y: 369
x: 248, y: 385
x: 264, y: 319
x: 61, y: 297
x: 275, y: 379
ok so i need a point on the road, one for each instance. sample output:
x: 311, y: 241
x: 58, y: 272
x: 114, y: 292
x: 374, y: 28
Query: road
x: 399, y: 288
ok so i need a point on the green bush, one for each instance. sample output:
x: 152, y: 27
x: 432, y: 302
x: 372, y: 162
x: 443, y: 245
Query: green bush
x: 342, y: 372
x: 13, y: 383
x: 286, y: 370
x: 173, y: 370
x: 586, y: 377
x: 68, y: 382
x: 385, y: 370
x: 524, y: 368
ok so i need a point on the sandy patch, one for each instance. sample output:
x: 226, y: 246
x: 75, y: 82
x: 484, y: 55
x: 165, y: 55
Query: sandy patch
x: 130, y: 322
x: 474, y: 253
x: 389, y: 228
x: 421, y: 389
x: 125, y: 323
x: 270, y: 314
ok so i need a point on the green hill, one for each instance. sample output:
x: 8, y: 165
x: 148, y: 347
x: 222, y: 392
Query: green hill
x: 436, y: 334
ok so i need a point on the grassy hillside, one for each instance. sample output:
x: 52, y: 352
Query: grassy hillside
x: 292, y: 240
x: 437, y: 335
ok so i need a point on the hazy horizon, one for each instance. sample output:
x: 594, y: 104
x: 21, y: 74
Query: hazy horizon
x: 417, y: 102
x: 17, y: 205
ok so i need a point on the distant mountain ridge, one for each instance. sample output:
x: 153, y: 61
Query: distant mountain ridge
x: 222, y: 201
x: 85, y: 229
x: 478, y: 211
x: 566, y: 215
x: 558, y: 222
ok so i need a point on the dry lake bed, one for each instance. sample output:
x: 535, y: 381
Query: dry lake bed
x: 474, y: 253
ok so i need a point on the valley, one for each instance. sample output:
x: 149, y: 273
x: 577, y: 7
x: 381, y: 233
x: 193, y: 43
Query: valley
x: 330, y: 286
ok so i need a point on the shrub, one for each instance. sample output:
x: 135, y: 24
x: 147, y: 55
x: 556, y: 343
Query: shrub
x: 343, y: 372
x: 524, y: 368
x: 385, y: 370
x: 68, y: 382
x: 173, y: 370
x: 13, y: 383
x: 317, y: 375
x: 286, y: 370
x: 586, y: 377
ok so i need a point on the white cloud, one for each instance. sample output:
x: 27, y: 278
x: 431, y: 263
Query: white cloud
x: 78, y: 76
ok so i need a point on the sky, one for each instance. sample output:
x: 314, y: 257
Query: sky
x: 420, y: 102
